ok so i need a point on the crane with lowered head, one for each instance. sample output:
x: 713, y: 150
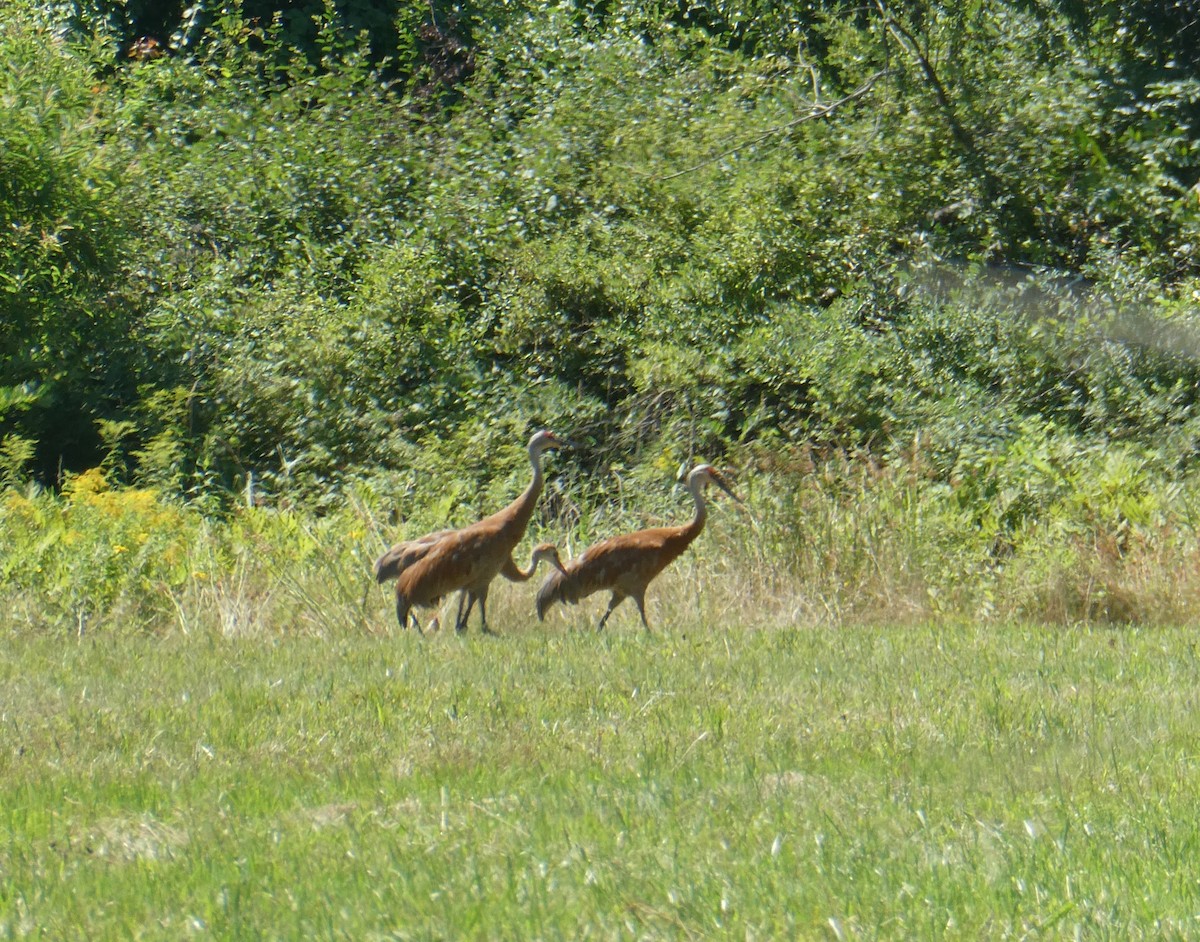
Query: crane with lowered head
x: 625, y: 565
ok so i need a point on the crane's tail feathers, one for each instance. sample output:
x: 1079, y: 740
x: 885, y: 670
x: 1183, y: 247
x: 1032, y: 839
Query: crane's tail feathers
x: 402, y: 610
x: 401, y: 556
x: 386, y: 568
x: 550, y: 592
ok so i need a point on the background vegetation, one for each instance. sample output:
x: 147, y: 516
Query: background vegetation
x: 357, y: 253
x: 282, y: 281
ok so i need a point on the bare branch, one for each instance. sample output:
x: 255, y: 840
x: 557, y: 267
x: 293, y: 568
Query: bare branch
x: 906, y: 39
x: 958, y: 131
x: 817, y: 111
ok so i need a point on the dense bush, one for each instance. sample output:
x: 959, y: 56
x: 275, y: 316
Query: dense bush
x: 65, y: 355
x: 674, y: 231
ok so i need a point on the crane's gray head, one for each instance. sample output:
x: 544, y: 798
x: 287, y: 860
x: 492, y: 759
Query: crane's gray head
x: 548, y: 552
x: 544, y: 441
x: 704, y: 474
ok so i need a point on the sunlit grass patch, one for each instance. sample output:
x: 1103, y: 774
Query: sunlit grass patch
x: 953, y: 780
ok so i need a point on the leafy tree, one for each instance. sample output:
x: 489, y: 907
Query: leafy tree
x: 65, y: 351
x: 676, y: 227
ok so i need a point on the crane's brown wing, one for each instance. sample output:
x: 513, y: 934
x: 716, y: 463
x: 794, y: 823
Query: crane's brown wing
x: 402, y: 555
x: 465, y: 559
x: 399, y: 558
x: 623, y: 564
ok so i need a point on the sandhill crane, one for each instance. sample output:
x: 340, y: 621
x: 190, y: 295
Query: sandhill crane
x: 404, y: 554
x: 511, y: 572
x: 626, y: 564
x: 470, y: 558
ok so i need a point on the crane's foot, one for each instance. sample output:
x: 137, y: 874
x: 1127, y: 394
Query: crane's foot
x: 491, y: 634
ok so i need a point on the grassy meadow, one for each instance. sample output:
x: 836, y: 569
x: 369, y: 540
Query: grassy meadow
x: 276, y: 291
x: 212, y: 728
x: 946, y: 779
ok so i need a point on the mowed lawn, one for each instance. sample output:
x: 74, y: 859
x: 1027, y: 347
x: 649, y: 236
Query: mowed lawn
x: 955, y: 781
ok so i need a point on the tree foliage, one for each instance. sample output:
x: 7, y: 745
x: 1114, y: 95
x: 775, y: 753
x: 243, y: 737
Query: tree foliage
x: 64, y: 348
x: 675, y: 230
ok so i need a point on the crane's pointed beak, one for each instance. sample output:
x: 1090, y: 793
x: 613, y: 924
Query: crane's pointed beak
x: 549, y: 440
x: 724, y: 485
x: 556, y: 441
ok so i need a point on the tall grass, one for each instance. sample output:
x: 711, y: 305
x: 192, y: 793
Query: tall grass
x: 859, y: 715
x: 844, y: 542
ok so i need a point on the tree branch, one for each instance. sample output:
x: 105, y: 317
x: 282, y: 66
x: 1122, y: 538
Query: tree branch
x: 909, y: 42
x: 817, y: 111
x: 962, y: 137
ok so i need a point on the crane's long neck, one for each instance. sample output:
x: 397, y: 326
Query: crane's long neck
x: 696, y: 486
x: 524, y: 575
x: 522, y: 508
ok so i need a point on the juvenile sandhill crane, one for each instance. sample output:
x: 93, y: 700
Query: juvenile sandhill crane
x: 626, y: 564
x: 511, y: 572
x: 404, y: 554
x: 543, y: 552
x: 470, y: 558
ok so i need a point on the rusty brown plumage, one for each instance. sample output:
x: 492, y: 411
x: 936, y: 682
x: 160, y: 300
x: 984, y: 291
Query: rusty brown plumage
x: 625, y: 565
x: 513, y: 573
x: 404, y: 554
x: 469, y: 559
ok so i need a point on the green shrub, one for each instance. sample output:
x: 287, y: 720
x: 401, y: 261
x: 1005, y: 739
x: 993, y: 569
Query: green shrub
x: 65, y: 351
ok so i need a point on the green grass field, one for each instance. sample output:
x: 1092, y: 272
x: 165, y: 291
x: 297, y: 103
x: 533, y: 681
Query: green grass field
x: 950, y: 781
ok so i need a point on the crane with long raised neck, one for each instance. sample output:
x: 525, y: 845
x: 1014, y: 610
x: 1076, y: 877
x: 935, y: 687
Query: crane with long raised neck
x: 469, y: 559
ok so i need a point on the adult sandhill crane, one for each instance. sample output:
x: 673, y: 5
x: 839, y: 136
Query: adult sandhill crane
x: 470, y: 558
x: 511, y: 572
x: 626, y: 564
x: 404, y: 554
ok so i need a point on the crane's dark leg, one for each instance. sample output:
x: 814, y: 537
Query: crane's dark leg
x: 612, y: 603
x: 641, y: 604
x: 460, y: 620
x: 483, y: 613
